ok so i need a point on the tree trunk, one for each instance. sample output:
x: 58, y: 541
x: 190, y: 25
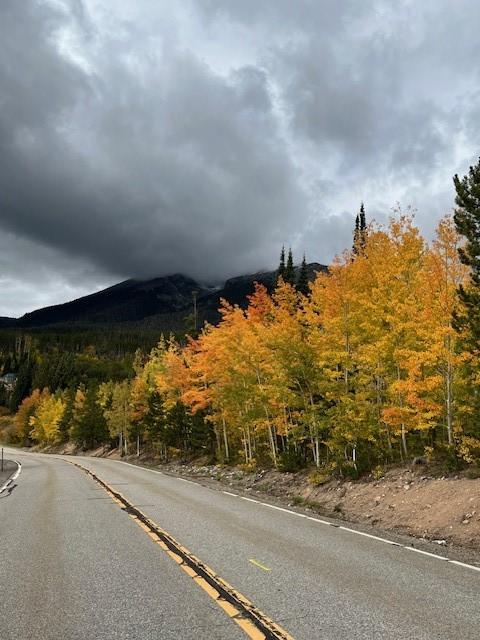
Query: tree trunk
x: 225, y: 439
x: 317, y: 452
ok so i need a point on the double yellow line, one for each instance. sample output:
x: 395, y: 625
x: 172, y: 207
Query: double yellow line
x: 251, y: 620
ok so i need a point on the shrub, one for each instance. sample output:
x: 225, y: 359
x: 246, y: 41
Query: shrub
x: 349, y: 470
x: 249, y: 467
x: 378, y: 472
x: 319, y: 477
x: 290, y: 460
x: 473, y: 472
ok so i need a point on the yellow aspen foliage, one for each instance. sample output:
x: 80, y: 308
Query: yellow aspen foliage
x: 46, y: 420
x: 26, y: 410
x: 366, y: 369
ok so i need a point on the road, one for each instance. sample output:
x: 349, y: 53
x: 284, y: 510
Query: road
x: 75, y: 565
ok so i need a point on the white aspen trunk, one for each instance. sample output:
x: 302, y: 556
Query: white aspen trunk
x: 314, y: 435
x: 225, y: 438
x: 404, y: 441
x: 285, y: 422
x: 245, y: 448
x: 272, y: 437
x: 138, y: 445
x: 402, y: 426
x: 218, y: 439
x: 273, y: 445
x: 314, y: 447
x: 449, y: 399
x: 449, y: 408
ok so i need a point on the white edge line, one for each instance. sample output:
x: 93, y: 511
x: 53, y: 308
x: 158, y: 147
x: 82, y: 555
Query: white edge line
x: 13, y: 477
x: 138, y: 466
x: 361, y: 533
x: 274, y: 506
x: 463, y: 564
x: 295, y: 513
x: 426, y: 553
x: 318, y: 520
x: 369, y: 535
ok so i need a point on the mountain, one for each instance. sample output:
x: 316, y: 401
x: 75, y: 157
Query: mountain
x: 162, y: 303
x: 7, y: 322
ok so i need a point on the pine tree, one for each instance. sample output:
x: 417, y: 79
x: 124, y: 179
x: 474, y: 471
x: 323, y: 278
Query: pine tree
x: 363, y: 222
x: 67, y: 417
x: 360, y: 232
x: 281, y: 266
x: 88, y: 424
x: 356, y: 236
x: 303, y: 283
x: 289, y: 276
x: 467, y: 221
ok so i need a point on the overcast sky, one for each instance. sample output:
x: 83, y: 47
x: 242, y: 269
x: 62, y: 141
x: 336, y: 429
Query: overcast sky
x: 147, y: 137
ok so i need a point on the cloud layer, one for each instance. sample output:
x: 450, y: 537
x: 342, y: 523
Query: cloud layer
x: 199, y: 136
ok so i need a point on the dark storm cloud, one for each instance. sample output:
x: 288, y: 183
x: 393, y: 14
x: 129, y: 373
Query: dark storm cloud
x: 164, y: 169
x: 200, y: 136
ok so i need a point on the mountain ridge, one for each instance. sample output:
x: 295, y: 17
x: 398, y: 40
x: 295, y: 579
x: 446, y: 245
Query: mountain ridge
x: 162, y: 301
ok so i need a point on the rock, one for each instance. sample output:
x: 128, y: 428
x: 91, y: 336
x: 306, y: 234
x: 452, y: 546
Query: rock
x: 440, y: 542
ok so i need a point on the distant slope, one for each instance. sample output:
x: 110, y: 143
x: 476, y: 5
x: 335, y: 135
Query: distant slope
x: 237, y: 289
x: 7, y: 322
x: 162, y: 302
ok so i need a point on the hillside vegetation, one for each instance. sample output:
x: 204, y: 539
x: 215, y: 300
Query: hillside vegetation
x: 374, y: 362
x: 365, y: 370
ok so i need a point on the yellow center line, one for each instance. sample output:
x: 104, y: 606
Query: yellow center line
x: 241, y: 610
x: 257, y: 564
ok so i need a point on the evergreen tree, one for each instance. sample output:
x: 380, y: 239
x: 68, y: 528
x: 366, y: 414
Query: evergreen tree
x: 467, y: 221
x: 67, y: 417
x: 90, y: 427
x: 281, y: 266
x: 155, y: 418
x: 356, y: 235
x: 289, y: 276
x: 363, y: 223
x: 303, y: 283
x: 360, y: 232
x: 23, y: 386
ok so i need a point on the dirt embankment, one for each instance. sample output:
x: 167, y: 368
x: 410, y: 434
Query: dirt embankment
x: 412, y: 501
x: 407, y: 501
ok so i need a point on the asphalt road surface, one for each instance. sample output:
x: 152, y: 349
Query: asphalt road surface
x: 74, y: 565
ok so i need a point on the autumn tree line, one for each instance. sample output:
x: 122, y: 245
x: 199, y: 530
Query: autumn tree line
x: 374, y: 362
